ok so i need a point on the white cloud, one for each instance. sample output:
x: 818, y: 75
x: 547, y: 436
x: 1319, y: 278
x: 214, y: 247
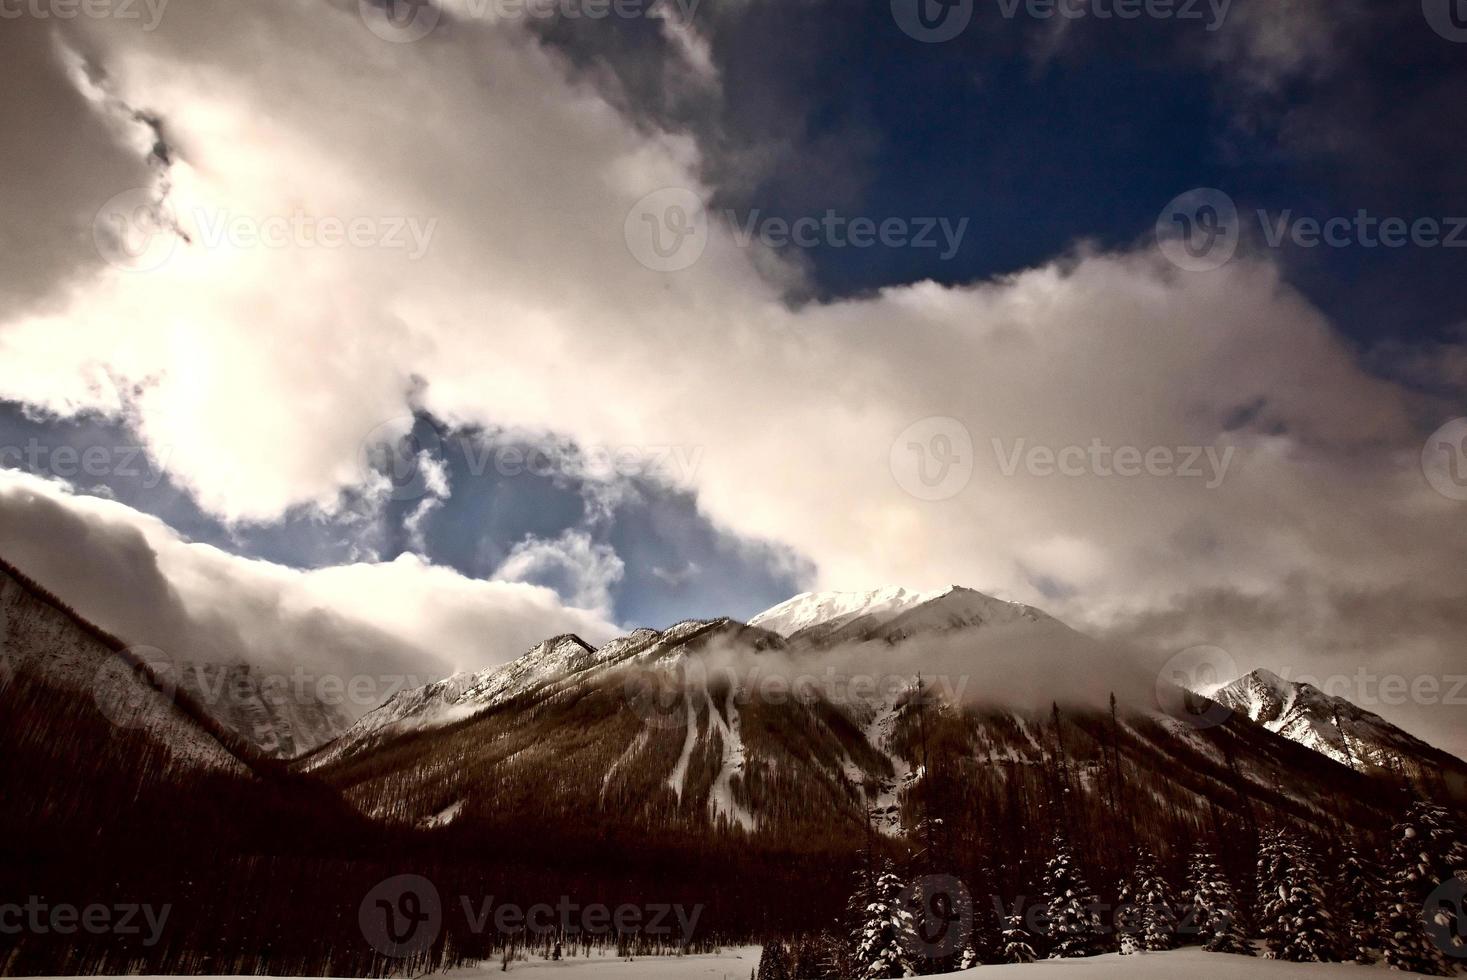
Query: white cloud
x: 261, y: 370
x: 137, y: 578
x: 572, y: 564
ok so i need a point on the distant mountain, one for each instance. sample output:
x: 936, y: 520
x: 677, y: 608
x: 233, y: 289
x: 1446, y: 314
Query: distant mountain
x: 120, y: 786
x: 676, y: 732
x: 278, y: 718
x: 892, y: 614
x: 50, y: 654
x: 714, y: 762
x: 1334, y: 727
x: 550, y: 663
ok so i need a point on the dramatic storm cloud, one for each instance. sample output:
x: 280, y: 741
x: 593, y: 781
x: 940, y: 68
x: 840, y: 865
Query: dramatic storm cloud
x: 1128, y: 444
x: 400, y: 621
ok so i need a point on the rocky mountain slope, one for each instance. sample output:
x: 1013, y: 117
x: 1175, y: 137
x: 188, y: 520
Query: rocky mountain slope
x: 47, y: 653
x: 1333, y: 726
x: 706, y: 728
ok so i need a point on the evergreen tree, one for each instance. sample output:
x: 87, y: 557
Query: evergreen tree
x: 1215, y: 910
x: 1016, y: 948
x: 1361, y: 898
x: 885, y: 935
x: 1426, y: 849
x: 1128, y: 918
x: 1070, y: 906
x: 774, y: 962
x: 831, y: 958
x: 987, y: 941
x: 1150, y: 909
x: 804, y: 959
x: 1296, y: 923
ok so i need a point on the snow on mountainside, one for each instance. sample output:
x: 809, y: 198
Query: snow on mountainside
x: 892, y: 614
x: 465, y: 694
x: 648, y: 732
x: 815, y: 608
x: 45, y: 646
x: 273, y: 715
x: 1330, y: 725
x: 556, y: 660
x: 820, y: 618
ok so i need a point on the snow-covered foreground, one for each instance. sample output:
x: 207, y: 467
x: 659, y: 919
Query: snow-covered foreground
x: 737, y: 964
x: 1193, y: 964
x: 730, y: 964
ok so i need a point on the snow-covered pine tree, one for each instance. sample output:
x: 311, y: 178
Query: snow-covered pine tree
x: 885, y: 935
x: 806, y: 959
x: 1361, y: 897
x: 1146, y: 918
x: 1016, y: 948
x: 1070, y: 906
x: 1296, y: 923
x: 1129, y: 923
x: 774, y: 962
x: 1426, y: 848
x: 832, y: 957
x: 1215, y: 909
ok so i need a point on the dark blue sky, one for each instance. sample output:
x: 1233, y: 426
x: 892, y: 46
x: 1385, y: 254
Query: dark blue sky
x: 1042, y: 143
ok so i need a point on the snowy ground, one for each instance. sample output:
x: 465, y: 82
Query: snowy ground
x: 731, y: 964
x: 1183, y: 963
x: 738, y: 964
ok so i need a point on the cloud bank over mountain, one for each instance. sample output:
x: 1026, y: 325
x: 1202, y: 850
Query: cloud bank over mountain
x: 258, y: 370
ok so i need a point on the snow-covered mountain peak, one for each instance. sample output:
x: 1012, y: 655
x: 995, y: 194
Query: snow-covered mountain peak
x: 816, y: 608
x: 1328, y: 724
x: 891, y: 614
